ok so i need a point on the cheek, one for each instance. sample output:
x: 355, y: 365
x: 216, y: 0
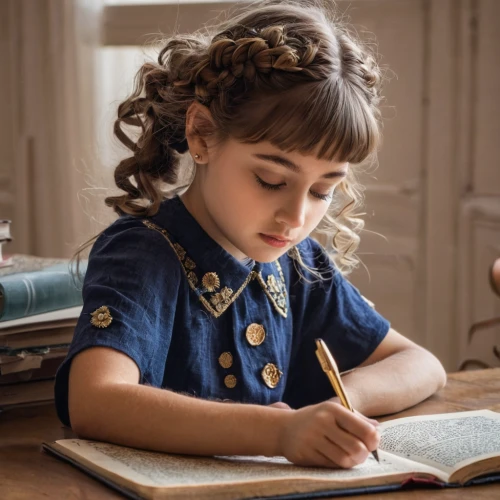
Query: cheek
x: 231, y: 183
x: 317, y: 214
x: 230, y: 194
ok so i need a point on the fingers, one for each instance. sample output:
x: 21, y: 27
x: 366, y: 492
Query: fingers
x: 317, y: 459
x: 328, y: 435
x: 320, y: 459
x: 347, y: 437
x: 356, y: 426
x: 372, y: 421
x: 326, y: 453
x: 338, y: 456
x: 351, y: 449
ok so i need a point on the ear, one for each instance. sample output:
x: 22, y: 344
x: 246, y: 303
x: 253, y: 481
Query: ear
x: 200, y: 129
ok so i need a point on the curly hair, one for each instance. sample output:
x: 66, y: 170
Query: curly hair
x: 290, y: 73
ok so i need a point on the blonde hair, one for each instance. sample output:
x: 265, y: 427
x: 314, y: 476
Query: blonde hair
x: 286, y: 72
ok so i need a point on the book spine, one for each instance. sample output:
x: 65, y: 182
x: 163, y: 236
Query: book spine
x: 26, y: 294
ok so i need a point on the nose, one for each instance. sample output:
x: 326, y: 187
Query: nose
x: 292, y: 213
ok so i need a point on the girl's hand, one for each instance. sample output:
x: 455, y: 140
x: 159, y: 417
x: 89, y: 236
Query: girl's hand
x: 327, y: 435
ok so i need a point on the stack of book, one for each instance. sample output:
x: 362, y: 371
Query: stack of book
x: 40, y: 302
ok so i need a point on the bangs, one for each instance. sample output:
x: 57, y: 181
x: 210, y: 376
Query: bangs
x: 327, y: 118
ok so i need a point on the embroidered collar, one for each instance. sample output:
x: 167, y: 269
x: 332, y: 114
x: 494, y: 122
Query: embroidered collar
x: 214, y: 274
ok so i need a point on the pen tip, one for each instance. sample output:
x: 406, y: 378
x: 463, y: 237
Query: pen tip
x: 375, y: 455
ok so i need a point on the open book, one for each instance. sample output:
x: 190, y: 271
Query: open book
x: 448, y: 449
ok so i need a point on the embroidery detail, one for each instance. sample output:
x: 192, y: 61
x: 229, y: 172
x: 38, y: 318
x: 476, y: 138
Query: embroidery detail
x: 222, y: 300
x: 189, y: 264
x: 101, y: 318
x: 220, y: 308
x: 226, y: 360
x: 275, y: 289
x: 218, y: 302
x: 278, y: 289
x: 230, y: 381
x: 211, y: 282
x: 193, y: 279
x: 271, y: 375
x: 181, y: 253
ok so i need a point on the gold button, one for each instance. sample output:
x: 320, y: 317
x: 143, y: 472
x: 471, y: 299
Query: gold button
x: 230, y: 381
x: 271, y: 375
x: 255, y: 334
x: 226, y: 360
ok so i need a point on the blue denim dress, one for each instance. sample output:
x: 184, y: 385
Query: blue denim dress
x: 198, y: 321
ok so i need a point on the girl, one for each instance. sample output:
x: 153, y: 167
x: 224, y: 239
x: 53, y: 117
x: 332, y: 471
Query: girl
x: 201, y: 309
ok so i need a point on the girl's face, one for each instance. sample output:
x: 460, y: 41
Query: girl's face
x: 257, y: 201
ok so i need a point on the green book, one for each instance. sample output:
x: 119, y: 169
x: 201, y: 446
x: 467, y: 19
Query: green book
x: 54, y: 287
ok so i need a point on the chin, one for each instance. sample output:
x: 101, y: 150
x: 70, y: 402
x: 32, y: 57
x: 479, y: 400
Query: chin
x: 266, y: 256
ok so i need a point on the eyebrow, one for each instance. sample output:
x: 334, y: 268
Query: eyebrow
x: 290, y: 165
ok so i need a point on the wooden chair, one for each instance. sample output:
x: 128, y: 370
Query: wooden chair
x: 494, y: 278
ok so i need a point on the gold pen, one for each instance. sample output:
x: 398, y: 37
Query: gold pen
x: 330, y: 368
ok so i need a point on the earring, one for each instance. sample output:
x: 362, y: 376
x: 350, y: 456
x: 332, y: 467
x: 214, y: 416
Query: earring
x: 197, y: 156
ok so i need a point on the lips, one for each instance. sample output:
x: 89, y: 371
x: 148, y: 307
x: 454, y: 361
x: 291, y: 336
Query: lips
x: 275, y: 240
x: 277, y: 237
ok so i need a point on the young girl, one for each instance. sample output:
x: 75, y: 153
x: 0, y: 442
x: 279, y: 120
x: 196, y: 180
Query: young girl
x: 201, y: 310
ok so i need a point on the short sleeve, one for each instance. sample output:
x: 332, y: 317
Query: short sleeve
x: 129, y: 298
x: 332, y: 309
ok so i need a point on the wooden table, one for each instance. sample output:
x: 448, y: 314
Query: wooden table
x: 27, y: 473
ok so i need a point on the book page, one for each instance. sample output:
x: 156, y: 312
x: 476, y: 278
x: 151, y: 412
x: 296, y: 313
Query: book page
x: 448, y: 441
x: 166, y: 470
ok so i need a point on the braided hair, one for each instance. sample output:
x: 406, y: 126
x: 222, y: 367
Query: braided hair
x: 286, y: 72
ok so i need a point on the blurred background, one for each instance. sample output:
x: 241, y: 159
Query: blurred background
x: 433, y: 204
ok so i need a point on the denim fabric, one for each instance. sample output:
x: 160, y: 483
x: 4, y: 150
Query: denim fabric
x: 174, y: 317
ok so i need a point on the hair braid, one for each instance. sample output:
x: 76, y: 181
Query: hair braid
x: 248, y: 58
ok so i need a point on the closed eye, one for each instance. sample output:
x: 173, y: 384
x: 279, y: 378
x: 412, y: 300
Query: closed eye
x: 276, y: 187
x: 266, y: 185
